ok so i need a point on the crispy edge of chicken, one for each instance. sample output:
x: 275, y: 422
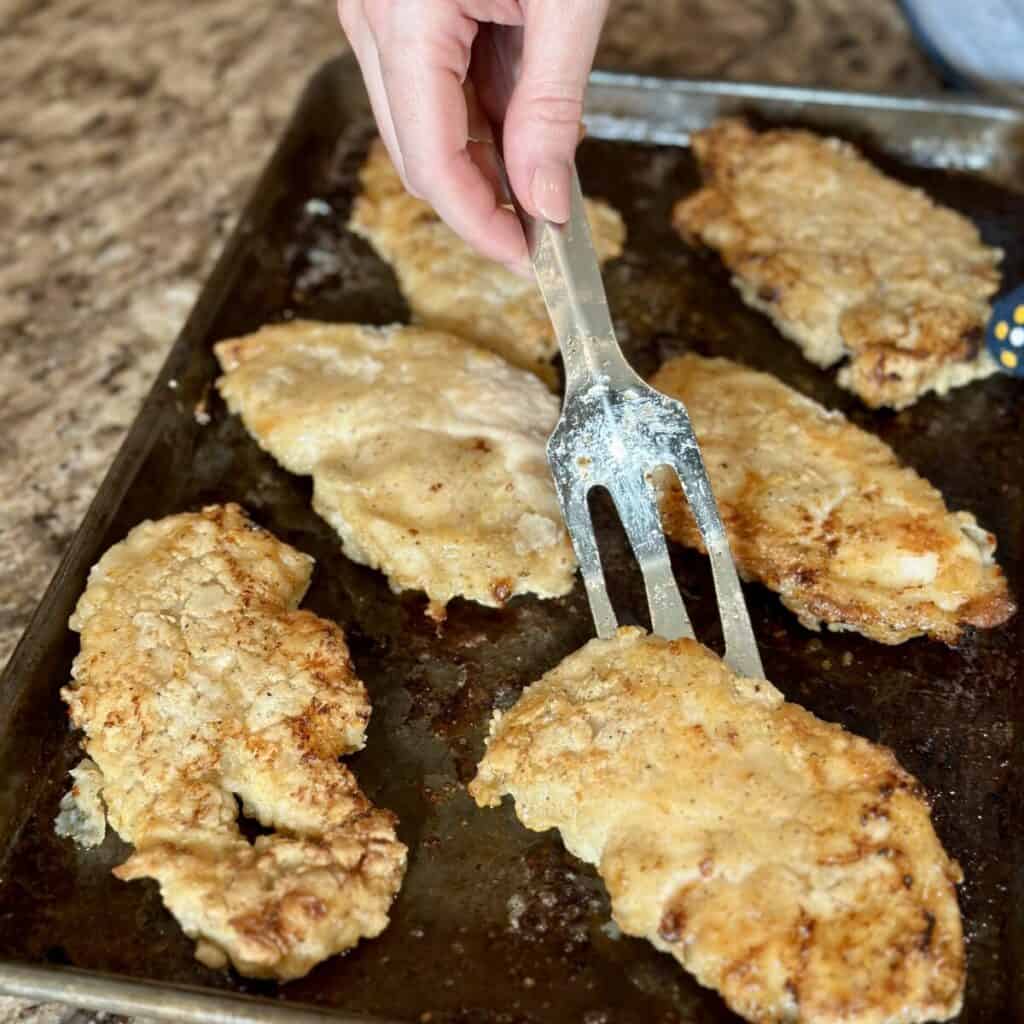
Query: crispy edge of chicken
x: 426, y: 452
x: 824, y: 513
x: 198, y: 681
x: 784, y: 862
x: 451, y: 287
x: 846, y: 261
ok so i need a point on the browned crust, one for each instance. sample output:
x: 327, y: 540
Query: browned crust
x: 378, y: 417
x: 450, y: 287
x: 847, y: 262
x: 199, y: 680
x: 761, y: 442
x: 784, y: 862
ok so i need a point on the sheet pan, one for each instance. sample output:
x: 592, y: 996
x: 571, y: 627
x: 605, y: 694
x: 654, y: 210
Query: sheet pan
x: 494, y: 923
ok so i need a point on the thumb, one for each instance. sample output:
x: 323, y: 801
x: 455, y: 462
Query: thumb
x: 543, y: 122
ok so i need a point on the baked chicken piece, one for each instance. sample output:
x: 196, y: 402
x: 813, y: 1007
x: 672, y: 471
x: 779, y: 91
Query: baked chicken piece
x: 448, y: 285
x: 198, y: 682
x: 426, y: 452
x: 847, y: 262
x: 824, y: 513
x: 784, y: 862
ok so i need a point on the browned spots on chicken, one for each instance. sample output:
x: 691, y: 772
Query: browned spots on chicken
x: 767, y: 851
x: 426, y: 452
x: 671, y: 926
x: 847, y: 262
x: 822, y: 512
x: 199, y: 680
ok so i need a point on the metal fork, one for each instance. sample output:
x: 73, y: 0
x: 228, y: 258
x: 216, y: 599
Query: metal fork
x: 614, y: 432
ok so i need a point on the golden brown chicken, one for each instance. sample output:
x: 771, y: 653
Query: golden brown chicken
x: 847, y: 262
x: 426, y: 452
x: 823, y: 513
x: 451, y: 287
x: 198, y: 682
x: 787, y: 864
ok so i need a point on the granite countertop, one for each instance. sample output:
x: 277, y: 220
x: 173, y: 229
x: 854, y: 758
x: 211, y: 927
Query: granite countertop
x: 130, y: 135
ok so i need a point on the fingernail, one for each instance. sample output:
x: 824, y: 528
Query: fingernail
x: 549, y: 191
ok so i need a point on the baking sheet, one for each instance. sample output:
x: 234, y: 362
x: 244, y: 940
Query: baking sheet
x: 494, y: 923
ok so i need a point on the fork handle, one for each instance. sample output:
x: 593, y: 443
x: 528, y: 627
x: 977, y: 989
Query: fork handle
x: 563, y: 257
x: 569, y: 277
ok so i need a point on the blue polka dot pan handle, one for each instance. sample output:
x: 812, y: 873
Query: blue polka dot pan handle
x: 1005, y: 333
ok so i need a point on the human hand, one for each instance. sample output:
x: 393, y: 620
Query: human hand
x: 435, y: 92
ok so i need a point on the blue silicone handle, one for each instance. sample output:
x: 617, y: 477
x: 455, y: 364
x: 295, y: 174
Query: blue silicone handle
x: 1005, y: 332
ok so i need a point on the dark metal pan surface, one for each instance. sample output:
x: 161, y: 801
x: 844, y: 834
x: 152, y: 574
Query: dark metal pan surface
x: 494, y: 923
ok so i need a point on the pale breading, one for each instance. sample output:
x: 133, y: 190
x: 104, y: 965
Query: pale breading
x: 82, y: 816
x: 784, y: 862
x: 824, y: 513
x: 447, y: 284
x: 846, y: 261
x: 199, y: 681
x: 426, y: 452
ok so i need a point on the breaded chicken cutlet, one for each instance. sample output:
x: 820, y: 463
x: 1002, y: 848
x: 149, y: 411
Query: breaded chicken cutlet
x: 451, y: 287
x: 426, y: 452
x: 784, y: 862
x: 199, y: 681
x: 824, y: 513
x: 847, y: 262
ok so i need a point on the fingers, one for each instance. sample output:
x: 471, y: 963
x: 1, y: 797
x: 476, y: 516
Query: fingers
x: 357, y: 29
x: 542, y: 124
x: 424, y: 57
x: 415, y: 55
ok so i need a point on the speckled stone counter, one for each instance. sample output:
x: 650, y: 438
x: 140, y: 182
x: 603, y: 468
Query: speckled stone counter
x: 130, y: 134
